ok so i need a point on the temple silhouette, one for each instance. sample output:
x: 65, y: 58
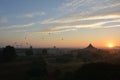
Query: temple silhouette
x: 90, y: 47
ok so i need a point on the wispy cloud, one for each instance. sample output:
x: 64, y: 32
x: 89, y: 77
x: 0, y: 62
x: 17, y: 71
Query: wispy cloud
x: 17, y: 26
x: 83, y: 5
x: 53, y: 31
x: 79, y: 14
x: 75, y: 18
x: 31, y: 15
x: 112, y: 24
x: 95, y: 22
x: 85, y: 14
x: 70, y: 5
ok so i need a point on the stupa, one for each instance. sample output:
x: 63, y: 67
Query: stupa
x: 90, y: 47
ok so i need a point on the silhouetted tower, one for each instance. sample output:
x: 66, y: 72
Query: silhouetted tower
x: 90, y: 47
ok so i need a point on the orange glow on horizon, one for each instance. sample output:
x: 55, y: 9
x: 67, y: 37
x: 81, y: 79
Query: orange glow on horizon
x: 111, y: 45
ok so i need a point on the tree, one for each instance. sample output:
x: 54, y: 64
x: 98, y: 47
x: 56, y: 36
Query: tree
x: 9, y: 53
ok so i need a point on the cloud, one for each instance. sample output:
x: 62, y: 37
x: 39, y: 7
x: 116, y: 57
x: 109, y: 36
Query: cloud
x: 86, y: 9
x: 63, y: 27
x: 75, y: 19
x: 91, y: 23
x: 85, y: 14
x: 79, y: 14
x: 3, y: 20
x: 17, y: 26
x: 31, y: 15
x: 15, y: 31
x: 87, y: 5
x: 70, y: 5
x: 52, y: 31
x: 112, y: 24
x: 106, y: 7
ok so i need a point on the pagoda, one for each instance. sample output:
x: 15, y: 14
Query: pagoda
x: 90, y: 47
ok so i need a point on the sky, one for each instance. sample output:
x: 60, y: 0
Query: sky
x: 60, y: 23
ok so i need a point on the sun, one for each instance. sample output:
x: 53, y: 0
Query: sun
x: 110, y: 45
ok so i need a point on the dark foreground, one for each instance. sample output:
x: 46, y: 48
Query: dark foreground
x: 60, y: 64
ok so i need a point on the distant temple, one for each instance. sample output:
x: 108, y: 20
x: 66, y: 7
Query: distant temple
x: 90, y: 47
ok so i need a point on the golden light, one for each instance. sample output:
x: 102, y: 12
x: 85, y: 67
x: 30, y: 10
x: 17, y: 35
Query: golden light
x: 110, y: 45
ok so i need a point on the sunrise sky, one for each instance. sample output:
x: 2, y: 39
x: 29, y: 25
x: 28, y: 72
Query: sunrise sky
x: 63, y: 23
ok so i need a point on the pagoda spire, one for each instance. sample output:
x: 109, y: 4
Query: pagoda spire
x: 90, y: 46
